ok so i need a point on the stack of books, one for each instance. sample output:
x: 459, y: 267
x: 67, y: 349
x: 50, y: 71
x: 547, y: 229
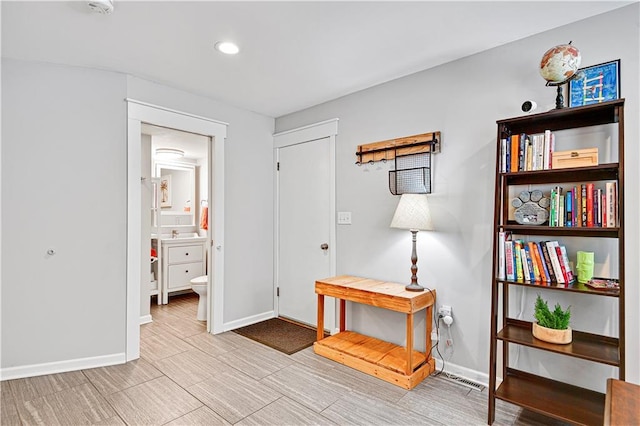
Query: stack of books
x: 523, y: 152
x: 528, y: 261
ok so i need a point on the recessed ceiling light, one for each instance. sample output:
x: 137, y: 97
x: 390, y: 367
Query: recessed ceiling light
x: 227, y: 47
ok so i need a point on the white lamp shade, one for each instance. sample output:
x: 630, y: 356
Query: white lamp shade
x: 412, y: 213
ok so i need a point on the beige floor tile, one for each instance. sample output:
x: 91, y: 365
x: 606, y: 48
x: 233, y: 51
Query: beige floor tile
x: 306, y: 386
x: 34, y: 387
x: 311, y: 359
x: 112, y: 421
x: 8, y: 410
x: 233, y: 396
x: 157, y: 347
x: 365, y: 384
x: 212, y: 344
x: 153, y: 403
x: 257, y: 363
x: 79, y: 405
x: 284, y: 412
x: 358, y: 409
x: 203, y: 416
x: 190, y: 367
x: 119, y: 377
x: 183, y: 327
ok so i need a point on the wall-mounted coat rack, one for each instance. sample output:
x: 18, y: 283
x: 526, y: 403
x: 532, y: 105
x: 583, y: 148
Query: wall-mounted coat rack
x: 387, y: 150
x: 412, y: 161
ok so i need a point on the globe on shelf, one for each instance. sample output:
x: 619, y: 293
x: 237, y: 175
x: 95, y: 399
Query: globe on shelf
x: 559, y: 65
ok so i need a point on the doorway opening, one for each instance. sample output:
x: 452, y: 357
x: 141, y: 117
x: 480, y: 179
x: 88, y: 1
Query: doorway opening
x: 140, y: 113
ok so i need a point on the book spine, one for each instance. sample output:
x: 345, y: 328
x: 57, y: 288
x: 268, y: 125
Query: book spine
x: 552, y: 208
x: 603, y: 204
x: 577, y: 214
x: 552, y: 148
x: 561, y: 209
x: 583, y: 203
x: 544, y: 273
x: 611, y: 202
x: 590, y: 205
x: 563, y: 268
x: 510, y: 267
x: 569, y: 208
x: 547, y: 261
x: 536, y: 269
x: 529, y: 154
x: 507, y: 155
x: 598, y: 200
x: 557, y: 270
x: 530, y: 265
x: 526, y: 274
x: 515, y: 149
x: 565, y: 259
x: 523, y: 150
x: 501, y: 255
x: 518, y: 261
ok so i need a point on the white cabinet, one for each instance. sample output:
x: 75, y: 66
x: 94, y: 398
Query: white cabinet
x: 181, y: 262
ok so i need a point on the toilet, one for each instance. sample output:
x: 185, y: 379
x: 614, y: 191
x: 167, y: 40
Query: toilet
x: 199, y: 285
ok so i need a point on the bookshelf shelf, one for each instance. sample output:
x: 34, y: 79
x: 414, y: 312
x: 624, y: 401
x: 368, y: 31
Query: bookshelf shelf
x: 587, y: 346
x: 574, y: 286
x: 556, y: 399
x: 567, y: 231
x: 548, y: 395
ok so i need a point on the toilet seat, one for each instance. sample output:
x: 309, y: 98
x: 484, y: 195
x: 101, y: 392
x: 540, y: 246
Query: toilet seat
x: 199, y: 280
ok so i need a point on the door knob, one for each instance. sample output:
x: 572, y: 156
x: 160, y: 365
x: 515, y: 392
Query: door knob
x: 324, y: 246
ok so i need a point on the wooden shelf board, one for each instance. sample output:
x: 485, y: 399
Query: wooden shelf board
x: 563, y: 231
x: 386, y: 295
x: 587, y: 346
x: 384, y: 354
x: 601, y: 172
x: 556, y: 399
x: 375, y: 357
x: 574, y: 287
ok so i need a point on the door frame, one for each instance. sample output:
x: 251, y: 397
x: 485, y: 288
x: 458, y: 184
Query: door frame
x: 327, y: 129
x: 137, y: 113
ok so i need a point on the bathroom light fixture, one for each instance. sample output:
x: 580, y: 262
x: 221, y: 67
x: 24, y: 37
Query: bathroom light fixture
x: 169, y: 153
x: 227, y: 47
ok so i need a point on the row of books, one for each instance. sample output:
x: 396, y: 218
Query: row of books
x: 522, y: 152
x: 528, y: 261
x: 584, y: 205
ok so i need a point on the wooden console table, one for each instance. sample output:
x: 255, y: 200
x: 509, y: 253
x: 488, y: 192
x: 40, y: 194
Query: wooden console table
x: 395, y: 364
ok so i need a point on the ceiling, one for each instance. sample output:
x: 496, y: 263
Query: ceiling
x: 293, y: 55
x: 195, y: 146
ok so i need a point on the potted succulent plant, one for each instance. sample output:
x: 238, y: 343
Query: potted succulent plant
x: 551, y: 326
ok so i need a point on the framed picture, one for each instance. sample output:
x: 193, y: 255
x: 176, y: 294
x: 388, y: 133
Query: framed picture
x: 165, y: 191
x: 595, y: 84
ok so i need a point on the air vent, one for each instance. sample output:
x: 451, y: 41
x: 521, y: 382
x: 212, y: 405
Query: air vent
x: 464, y: 382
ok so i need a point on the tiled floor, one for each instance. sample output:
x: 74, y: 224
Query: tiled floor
x: 188, y: 377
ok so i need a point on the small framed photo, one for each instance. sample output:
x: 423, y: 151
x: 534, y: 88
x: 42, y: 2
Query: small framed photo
x: 595, y: 84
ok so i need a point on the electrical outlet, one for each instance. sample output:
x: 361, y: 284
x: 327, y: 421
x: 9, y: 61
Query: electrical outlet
x: 344, y: 218
x: 444, y: 310
x: 434, y: 336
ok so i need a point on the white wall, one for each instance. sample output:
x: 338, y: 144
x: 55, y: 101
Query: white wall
x: 463, y: 100
x: 64, y: 169
x: 63, y: 188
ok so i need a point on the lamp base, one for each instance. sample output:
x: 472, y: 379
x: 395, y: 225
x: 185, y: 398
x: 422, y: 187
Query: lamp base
x: 414, y: 287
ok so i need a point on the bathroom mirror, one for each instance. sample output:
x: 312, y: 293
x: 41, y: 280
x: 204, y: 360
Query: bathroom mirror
x: 177, y: 194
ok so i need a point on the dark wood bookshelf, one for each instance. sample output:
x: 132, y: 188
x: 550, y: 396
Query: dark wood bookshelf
x: 549, y: 396
x: 559, y: 400
x: 592, y: 347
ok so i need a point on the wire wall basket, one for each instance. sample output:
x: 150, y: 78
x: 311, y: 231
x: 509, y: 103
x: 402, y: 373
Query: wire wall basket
x: 412, y: 174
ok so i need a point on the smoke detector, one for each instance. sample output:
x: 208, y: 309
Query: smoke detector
x: 104, y: 7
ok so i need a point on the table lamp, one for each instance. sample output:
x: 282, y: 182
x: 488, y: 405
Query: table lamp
x: 413, y: 214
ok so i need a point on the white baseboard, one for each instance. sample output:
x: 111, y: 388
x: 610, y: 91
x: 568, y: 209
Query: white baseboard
x: 228, y: 326
x: 464, y: 372
x: 61, y: 366
x: 146, y: 319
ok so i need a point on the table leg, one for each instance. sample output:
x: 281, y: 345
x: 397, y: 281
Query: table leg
x: 320, y: 334
x: 409, y: 367
x: 429, y: 327
x: 343, y: 313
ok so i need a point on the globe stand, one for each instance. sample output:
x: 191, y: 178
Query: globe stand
x: 559, y: 94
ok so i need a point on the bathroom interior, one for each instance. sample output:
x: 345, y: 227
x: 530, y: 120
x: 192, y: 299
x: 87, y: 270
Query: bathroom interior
x: 175, y: 232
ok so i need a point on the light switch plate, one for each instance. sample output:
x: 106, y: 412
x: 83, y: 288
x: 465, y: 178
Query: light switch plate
x: 344, y: 218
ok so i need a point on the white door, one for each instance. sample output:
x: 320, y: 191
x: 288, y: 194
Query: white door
x: 305, y: 219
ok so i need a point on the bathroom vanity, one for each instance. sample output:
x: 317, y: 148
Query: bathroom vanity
x: 182, y: 259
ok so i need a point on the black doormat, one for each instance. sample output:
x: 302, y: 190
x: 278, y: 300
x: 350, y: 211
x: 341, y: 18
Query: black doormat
x: 282, y: 335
